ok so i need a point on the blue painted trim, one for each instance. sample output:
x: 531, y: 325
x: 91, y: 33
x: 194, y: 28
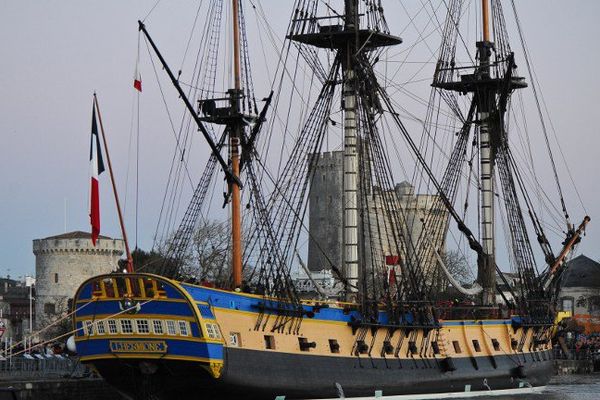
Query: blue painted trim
x: 174, y: 347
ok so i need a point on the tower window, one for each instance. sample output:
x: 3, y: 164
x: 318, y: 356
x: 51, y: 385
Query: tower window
x: 49, y: 308
x: 56, y: 278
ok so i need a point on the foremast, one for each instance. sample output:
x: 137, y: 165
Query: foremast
x: 235, y: 120
x: 235, y: 134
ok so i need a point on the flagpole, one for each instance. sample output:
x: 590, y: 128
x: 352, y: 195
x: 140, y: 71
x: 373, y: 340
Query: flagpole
x: 114, y: 186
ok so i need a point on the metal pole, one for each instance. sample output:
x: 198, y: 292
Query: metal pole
x: 114, y: 186
x: 30, y: 308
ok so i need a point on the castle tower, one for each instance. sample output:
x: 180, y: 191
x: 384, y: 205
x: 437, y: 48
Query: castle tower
x: 62, y: 263
x: 326, y: 211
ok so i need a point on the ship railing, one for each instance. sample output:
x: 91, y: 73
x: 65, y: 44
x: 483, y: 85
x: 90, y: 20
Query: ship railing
x: 473, y: 312
x: 42, y: 367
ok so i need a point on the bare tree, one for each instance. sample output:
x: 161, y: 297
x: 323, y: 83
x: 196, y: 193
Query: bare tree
x: 208, y: 258
x: 458, y: 267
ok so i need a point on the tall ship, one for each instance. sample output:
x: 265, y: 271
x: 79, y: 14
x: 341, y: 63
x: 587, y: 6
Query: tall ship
x: 167, y: 329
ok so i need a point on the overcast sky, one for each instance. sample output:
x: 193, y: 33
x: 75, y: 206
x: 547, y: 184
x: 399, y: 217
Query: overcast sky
x: 55, y: 54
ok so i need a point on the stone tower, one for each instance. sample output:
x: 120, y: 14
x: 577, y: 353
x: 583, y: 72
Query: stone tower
x: 62, y: 263
x: 326, y: 212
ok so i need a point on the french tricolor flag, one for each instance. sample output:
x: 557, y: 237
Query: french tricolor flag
x: 96, y: 168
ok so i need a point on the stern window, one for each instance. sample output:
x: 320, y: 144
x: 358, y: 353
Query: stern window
x: 126, y: 326
x: 142, y: 326
x: 158, y: 327
x: 213, y: 331
x: 171, y: 329
x: 112, y: 326
x: 88, y: 327
x: 183, y: 328
x: 100, y: 327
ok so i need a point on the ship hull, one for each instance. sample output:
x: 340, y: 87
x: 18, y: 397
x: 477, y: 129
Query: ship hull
x: 252, y: 374
x: 154, y: 338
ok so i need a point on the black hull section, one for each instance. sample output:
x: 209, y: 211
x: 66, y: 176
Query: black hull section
x: 251, y: 374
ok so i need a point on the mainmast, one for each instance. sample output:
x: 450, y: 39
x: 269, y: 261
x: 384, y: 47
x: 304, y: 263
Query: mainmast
x: 352, y: 45
x: 350, y: 194
x: 235, y: 133
x: 486, y: 263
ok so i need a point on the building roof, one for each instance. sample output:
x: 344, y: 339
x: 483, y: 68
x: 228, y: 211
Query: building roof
x: 582, y: 272
x: 75, y: 235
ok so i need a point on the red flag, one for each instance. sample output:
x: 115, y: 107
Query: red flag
x: 392, y: 277
x: 137, y: 83
x: 392, y: 260
x: 96, y: 168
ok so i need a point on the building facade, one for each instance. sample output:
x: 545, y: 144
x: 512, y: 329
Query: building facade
x: 62, y: 263
x: 580, y: 292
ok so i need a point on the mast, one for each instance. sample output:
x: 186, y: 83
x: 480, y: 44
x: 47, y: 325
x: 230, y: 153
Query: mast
x: 486, y: 263
x: 234, y: 142
x: 350, y: 194
x: 350, y: 43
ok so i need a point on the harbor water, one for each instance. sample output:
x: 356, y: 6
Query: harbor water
x: 563, y: 387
